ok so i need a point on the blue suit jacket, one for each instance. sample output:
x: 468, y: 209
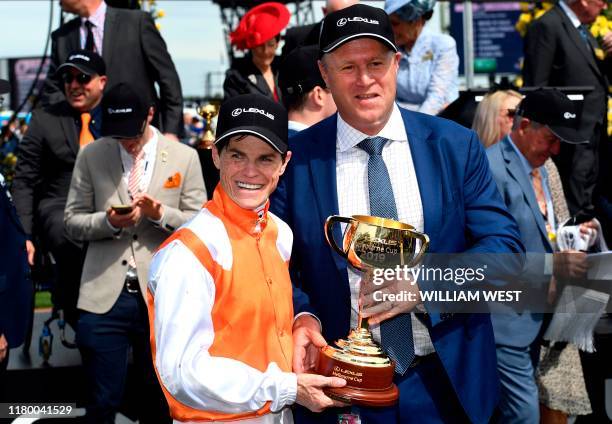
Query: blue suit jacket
x: 462, y: 210
x: 511, y: 327
x: 15, y: 286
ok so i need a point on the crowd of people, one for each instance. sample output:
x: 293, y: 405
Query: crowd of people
x: 224, y: 298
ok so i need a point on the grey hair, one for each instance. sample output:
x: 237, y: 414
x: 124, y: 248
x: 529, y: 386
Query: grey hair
x: 516, y: 123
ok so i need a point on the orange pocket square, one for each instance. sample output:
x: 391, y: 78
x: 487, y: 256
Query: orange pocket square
x: 173, y: 181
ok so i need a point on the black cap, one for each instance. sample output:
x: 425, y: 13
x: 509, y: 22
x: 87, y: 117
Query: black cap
x: 357, y: 21
x: 5, y: 87
x: 299, y: 73
x: 554, y: 109
x: 253, y: 114
x: 86, y: 61
x: 124, y: 113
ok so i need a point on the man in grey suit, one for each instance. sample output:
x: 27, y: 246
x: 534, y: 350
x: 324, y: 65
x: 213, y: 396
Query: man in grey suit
x: 129, y: 190
x: 542, y: 120
x: 134, y: 52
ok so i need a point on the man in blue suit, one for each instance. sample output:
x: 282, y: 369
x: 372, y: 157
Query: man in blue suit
x: 543, y: 118
x: 15, y: 286
x: 437, y: 179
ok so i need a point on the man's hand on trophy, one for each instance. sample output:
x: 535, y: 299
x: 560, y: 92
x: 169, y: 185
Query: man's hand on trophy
x: 310, y: 391
x: 384, y: 298
x: 307, y: 342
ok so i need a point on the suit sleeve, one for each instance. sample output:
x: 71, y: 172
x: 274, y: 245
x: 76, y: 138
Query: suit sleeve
x: 164, y: 73
x: 183, y: 332
x: 28, y: 172
x: 193, y: 196
x: 443, y: 83
x: 81, y: 220
x: 540, y: 46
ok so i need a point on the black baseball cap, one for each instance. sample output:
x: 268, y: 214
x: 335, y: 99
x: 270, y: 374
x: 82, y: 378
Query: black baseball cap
x: 86, y: 61
x: 299, y: 73
x: 357, y: 21
x: 124, y: 113
x: 555, y: 110
x: 253, y: 114
x: 5, y: 87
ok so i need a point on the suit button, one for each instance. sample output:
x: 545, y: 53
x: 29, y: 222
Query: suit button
x: 135, y: 237
x: 124, y: 262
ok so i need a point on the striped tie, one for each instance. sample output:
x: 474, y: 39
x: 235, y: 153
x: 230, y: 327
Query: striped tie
x: 135, y: 184
x: 538, y: 189
x: 395, y: 333
x: 135, y: 179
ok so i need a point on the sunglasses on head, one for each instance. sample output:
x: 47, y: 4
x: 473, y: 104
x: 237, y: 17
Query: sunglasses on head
x: 80, y: 78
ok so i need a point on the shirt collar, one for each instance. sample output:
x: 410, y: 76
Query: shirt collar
x: 253, y: 222
x: 524, y: 162
x: 348, y: 137
x: 296, y: 126
x: 98, y: 16
x: 570, y: 14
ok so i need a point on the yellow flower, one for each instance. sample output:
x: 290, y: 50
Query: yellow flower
x: 522, y: 23
x: 525, y: 6
x: 518, y: 82
x: 539, y: 13
x: 158, y: 26
x: 161, y: 13
x: 599, y: 54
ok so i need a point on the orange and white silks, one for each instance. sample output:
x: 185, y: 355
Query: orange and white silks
x: 221, y: 312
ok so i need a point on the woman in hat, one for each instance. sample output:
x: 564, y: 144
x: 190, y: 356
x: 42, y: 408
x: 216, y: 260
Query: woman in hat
x: 427, y: 80
x: 259, y: 33
x: 220, y: 297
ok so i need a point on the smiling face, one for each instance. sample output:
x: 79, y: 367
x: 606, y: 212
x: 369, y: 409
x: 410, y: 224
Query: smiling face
x: 84, y: 96
x: 249, y: 169
x: 361, y: 75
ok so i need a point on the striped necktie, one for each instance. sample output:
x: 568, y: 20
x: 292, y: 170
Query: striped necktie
x: 395, y: 333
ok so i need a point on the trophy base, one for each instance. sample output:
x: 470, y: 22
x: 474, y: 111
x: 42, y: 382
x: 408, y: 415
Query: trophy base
x: 369, y: 379
x: 364, y: 397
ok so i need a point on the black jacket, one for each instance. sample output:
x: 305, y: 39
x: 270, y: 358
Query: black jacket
x: 245, y: 78
x: 135, y: 53
x: 45, y: 159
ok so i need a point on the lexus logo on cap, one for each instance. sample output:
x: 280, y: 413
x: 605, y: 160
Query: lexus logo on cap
x: 343, y: 21
x: 124, y: 110
x: 569, y: 115
x: 239, y: 110
x: 79, y: 56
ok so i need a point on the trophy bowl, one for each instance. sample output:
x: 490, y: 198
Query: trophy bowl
x: 368, y: 242
x: 208, y: 112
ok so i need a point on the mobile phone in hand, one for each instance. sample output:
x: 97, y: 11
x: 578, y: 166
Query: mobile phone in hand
x: 122, y: 209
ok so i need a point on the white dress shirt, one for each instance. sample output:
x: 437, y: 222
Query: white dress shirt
x: 353, y: 197
x: 97, y: 19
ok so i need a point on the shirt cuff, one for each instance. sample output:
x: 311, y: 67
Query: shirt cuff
x: 312, y: 315
x: 116, y: 231
x: 287, y: 392
x: 159, y: 221
x: 548, y: 264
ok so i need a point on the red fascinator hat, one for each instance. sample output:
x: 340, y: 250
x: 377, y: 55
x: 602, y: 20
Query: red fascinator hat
x: 260, y: 24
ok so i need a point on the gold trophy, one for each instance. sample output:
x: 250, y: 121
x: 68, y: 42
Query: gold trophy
x: 208, y: 112
x: 369, y: 242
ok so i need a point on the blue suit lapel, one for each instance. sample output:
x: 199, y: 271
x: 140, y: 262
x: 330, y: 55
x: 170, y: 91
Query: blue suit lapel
x: 323, y: 175
x: 516, y: 171
x: 427, y: 168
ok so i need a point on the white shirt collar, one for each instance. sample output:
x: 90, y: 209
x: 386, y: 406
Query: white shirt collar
x: 348, y: 137
x: 296, y: 126
x: 570, y: 14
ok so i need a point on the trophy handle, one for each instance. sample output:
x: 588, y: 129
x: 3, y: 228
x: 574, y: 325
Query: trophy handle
x: 424, y: 246
x: 329, y: 229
